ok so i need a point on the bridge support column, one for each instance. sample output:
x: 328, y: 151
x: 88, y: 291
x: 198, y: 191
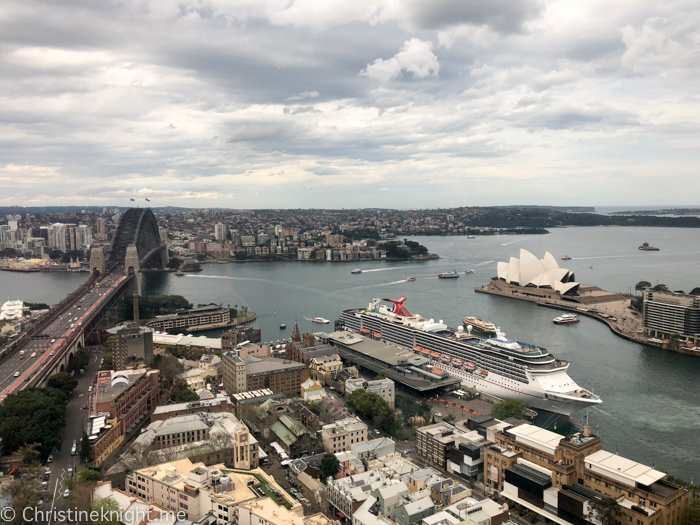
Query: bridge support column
x: 164, y: 258
x: 97, y: 260
x: 132, y: 265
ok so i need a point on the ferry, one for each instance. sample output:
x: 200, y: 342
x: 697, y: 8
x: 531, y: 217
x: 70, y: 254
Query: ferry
x: 479, y: 325
x: 320, y: 320
x: 356, y: 270
x: 566, y: 319
x: 411, y: 279
x: 180, y: 273
x: 496, y: 365
x: 448, y: 275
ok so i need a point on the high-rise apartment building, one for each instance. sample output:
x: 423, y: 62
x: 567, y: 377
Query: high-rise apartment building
x: 667, y: 314
x: 220, y: 232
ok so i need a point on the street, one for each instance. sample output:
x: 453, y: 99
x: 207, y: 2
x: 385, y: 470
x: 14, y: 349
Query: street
x: 75, y: 425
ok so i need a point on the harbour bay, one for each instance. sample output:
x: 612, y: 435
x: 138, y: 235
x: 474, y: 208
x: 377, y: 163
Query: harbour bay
x: 651, y: 399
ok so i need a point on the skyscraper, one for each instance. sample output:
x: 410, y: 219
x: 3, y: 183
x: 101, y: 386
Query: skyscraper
x: 220, y: 232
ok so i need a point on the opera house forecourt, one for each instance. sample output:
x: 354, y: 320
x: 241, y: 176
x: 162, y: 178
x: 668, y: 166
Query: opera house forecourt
x: 529, y: 271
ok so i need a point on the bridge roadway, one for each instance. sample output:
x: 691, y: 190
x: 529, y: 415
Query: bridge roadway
x: 57, y: 340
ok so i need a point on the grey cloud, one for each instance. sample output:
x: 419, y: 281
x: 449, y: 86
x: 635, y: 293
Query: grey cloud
x: 504, y: 16
x: 300, y: 109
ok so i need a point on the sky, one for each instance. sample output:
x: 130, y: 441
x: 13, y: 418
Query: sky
x: 362, y: 103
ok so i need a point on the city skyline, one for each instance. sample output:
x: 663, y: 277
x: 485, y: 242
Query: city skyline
x: 372, y: 104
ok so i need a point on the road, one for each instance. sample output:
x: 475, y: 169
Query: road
x: 73, y: 431
x: 22, y: 364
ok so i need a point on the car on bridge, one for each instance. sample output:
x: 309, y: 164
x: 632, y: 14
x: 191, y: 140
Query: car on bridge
x: 16, y: 374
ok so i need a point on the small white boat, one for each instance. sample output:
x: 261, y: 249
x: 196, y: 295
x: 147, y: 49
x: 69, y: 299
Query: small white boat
x: 411, y: 279
x: 468, y: 271
x: 566, y: 319
x: 320, y: 320
x: 356, y: 270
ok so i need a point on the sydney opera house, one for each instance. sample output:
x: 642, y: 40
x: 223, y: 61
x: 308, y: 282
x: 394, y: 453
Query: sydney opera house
x: 529, y: 271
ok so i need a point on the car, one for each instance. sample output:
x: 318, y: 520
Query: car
x: 21, y: 357
x: 21, y: 352
x: 70, y: 472
x: 41, y: 503
x: 26, y: 379
x: 90, y: 388
x: 51, y: 352
x: 33, y: 354
x: 66, y: 493
x: 438, y: 414
x: 376, y: 431
x: 46, y: 477
x: 53, y: 340
x: 82, y: 370
x: 50, y: 459
x: 85, y: 406
x: 16, y: 374
x: 44, y: 485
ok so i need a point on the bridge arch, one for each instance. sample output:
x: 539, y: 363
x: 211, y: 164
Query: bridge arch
x: 63, y: 367
x: 138, y: 226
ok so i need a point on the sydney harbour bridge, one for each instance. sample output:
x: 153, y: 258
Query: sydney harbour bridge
x: 51, y: 341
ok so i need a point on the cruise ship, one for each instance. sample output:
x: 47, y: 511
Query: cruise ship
x: 496, y: 365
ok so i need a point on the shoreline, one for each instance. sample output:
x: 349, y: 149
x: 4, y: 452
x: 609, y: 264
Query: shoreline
x: 584, y: 309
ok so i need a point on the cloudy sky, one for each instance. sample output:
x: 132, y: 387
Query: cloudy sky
x: 361, y: 103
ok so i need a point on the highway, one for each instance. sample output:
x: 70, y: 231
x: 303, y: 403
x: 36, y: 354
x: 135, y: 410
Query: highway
x: 42, y: 349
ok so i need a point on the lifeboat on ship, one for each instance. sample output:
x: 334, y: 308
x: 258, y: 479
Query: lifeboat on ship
x: 457, y: 362
x: 471, y: 366
x: 484, y: 373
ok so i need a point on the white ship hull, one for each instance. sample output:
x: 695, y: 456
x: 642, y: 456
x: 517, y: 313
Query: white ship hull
x: 504, y: 388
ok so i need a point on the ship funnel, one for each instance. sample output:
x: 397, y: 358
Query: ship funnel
x: 470, y: 328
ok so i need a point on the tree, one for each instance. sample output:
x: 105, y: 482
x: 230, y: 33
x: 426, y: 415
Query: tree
x: 448, y: 418
x: 30, y: 453
x: 642, y: 285
x: 85, y: 449
x: 169, y: 367
x: 109, y: 512
x: 182, y: 394
x: 64, y: 382
x: 80, y: 360
x: 35, y: 415
x: 509, y: 408
x: 89, y: 475
x: 691, y: 514
x: 330, y: 466
x: 604, y: 511
x: 660, y: 288
x: 241, y: 255
x: 695, y: 291
x: 174, y: 263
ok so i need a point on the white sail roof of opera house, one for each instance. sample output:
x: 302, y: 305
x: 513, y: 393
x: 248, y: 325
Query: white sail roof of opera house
x: 528, y: 270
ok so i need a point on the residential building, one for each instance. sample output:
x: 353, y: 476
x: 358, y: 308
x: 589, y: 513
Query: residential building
x: 143, y: 512
x: 322, y: 366
x: 279, y: 375
x: 220, y: 231
x: 390, y: 497
x: 433, y: 442
x: 667, y: 314
x: 415, y: 511
x: 304, y: 348
x: 294, y: 438
x: 364, y: 515
x: 383, y: 387
x: 350, y: 464
x: 448, y: 491
x: 481, y: 512
x: 220, y: 404
x: 236, y: 336
x: 466, y: 458
x: 347, y: 494
x: 265, y: 511
x: 559, y: 476
x: 203, y: 317
x: 310, y: 385
x: 233, y: 373
x: 133, y: 347
x: 195, y: 489
x: 119, y: 404
x: 374, y: 449
x: 343, y: 434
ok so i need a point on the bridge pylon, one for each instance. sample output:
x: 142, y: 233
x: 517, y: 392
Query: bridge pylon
x: 132, y: 265
x: 97, y: 261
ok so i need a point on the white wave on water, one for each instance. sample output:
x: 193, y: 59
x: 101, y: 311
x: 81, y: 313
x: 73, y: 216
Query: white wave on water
x: 380, y: 270
x: 255, y: 279
x: 629, y: 256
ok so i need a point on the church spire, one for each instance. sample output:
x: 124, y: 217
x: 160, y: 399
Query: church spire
x: 296, y: 335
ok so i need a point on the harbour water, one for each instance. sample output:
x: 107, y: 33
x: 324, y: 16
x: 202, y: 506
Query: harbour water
x: 651, y: 399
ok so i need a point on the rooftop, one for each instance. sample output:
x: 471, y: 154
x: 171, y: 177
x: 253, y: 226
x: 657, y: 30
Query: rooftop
x: 622, y: 469
x: 261, y: 365
x: 421, y: 505
x: 536, y: 437
x: 114, y: 383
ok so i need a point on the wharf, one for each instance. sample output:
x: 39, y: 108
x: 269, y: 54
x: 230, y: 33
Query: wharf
x: 612, y: 309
